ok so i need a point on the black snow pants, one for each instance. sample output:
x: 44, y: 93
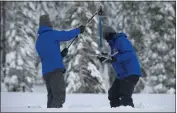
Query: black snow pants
x: 56, y: 88
x: 121, y: 91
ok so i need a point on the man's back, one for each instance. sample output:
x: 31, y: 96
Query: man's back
x: 48, y: 47
x: 49, y: 51
x: 127, y: 61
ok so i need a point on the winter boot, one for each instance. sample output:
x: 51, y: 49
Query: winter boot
x: 115, y: 103
x: 127, y: 101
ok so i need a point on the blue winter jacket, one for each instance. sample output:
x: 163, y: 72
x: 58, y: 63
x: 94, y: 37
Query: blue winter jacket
x: 127, y: 63
x: 48, y: 47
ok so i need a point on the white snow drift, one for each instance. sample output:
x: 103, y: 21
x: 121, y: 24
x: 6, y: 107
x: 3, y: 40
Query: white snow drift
x: 36, y: 102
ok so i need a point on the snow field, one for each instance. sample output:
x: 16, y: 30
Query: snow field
x: 36, y: 102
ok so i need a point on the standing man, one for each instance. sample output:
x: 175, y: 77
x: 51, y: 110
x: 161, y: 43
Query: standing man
x: 48, y: 48
x: 126, y: 65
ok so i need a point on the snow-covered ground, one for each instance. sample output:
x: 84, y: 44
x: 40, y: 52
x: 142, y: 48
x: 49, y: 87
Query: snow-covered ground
x: 20, y: 102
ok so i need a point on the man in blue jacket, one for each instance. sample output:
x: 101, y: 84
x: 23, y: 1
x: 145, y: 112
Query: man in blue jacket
x: 126, y: 65
x: 48, y: 48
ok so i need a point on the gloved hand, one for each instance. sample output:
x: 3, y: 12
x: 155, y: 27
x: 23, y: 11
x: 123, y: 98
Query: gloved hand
x: 64, y: 52
x: 82, y: 28
x: 113, y: 59
x: 101, y: 58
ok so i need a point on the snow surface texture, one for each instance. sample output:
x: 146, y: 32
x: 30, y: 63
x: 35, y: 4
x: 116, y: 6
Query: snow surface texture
x: 36, y: 102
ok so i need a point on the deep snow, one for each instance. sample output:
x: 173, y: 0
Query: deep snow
x: 19, y: 102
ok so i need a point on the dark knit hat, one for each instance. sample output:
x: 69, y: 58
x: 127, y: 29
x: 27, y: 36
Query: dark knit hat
x: 45, y: 20
x: 108, y: 32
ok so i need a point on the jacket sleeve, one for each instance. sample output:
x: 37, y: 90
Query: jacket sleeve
x: 124, y: 50
x: 66, y: 35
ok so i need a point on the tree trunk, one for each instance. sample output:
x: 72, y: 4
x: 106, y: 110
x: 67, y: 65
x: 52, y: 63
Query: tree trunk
x: 3, y: 41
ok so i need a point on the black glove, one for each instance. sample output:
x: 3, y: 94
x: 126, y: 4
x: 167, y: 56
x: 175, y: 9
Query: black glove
x: 113, y: 59
x: 101, y: 58
x: 82, y: 28
x: 64, y: 52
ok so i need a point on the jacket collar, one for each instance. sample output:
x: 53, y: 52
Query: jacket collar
x: 116, y: 36
x: 43, y: 29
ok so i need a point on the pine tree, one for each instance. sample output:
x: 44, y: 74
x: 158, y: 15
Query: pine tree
x: 21, y: 34
x: 162, y: 46
x: 83, y: 75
